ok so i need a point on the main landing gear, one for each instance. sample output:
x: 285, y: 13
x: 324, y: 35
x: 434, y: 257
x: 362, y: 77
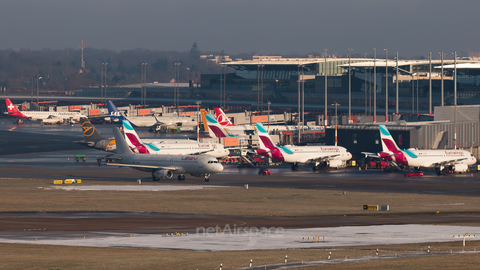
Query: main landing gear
x: 181, y: 177
x: 294, y: 167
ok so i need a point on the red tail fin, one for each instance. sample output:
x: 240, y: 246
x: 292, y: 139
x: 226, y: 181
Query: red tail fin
x: 12, y: 110
x: 222, y: 118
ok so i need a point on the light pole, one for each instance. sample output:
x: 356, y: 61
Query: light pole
x: 374, y: 85
x: 198, y: 119
x: 258, y: 87
x: 299, y: 98
x: 144, y: 81
x: 365, y: 68
x: 38, y: 78
x: 349, y: 87
x: 336, y: 120
x: 177, y: 89
x: 104, y: 83
x: 326, y: 89
x: 263, y: 66
x: 455, y: 94
x: 303, y: 98
x: 430, y: 84
x: 396, y: 86
x: 386, y: 84
x: 268, y: 105
x: 441, y: 56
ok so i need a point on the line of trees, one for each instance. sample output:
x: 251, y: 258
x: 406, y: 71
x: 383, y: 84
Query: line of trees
x: 60, y: 69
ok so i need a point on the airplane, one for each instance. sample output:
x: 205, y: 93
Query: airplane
x: 214, y: 128
x: 451, y: 159
x: 164, y: 166
x: 225, y: 122
x: 148, y: 121
x: 39, y: 115
x: 93, y: 139
x: 161, y: 148
x: 334, y: 156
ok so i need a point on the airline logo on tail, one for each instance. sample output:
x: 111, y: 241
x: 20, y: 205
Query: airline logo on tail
x: 12, y: 110
x: 212, y: 126
x: 267, y: 146
x: 134, y: 141
x: 222, y: 118
x: 390, y: 149
x: 114, y: 113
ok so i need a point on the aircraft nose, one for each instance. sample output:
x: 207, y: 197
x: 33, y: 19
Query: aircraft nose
x: 218, y: 168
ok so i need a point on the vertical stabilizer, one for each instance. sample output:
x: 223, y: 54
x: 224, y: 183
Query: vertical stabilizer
x: 114, y: 113
x: 263, y: 137
x: 12, y: 109
x: 222, y: 118
x: 122, y: 147
x: 132, y: 139
x: 388, y: 144
x: 90, y: 133
x: 214, y: 126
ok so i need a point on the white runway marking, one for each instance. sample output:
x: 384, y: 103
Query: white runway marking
x: 132, y: 188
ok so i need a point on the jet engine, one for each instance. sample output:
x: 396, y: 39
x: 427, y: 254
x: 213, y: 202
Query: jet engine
x: 335, y: 163
x: 460, y: 168
x: 163, y: 174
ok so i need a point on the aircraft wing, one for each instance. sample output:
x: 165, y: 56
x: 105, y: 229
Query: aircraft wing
x: 444, y: 162
x: 368, y: 154
x: 143, y: 166
x: 319, y: 158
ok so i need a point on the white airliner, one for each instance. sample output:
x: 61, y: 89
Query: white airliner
x: 451, y: 159
x: 164, y: 166
x: 93, y: 139
x: 225, y: 122
x: 149, y: 121
x: 334, y: 156
x: 171, y: 148
x: 38, y: 115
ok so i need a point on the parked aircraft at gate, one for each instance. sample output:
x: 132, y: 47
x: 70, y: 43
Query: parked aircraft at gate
x: 334, y: 156
x: 149, y: 121
x: 225, y: 122
x: 452, y: 159
x: 93, y: 139
x: 138, y: 146
x: 164, y: 166
x: 40, y: 115
x: 213, y: 128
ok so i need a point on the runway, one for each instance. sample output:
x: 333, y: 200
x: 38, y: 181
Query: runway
x: 248, y: 238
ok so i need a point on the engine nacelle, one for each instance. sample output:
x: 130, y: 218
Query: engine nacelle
x: 335, y: 163
x: 163, y: 174
x: 460, y: 168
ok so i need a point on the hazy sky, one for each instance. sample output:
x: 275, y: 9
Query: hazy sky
x: 412, y: 27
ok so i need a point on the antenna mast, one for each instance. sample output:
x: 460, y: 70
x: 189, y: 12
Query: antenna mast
x: 82, y: 46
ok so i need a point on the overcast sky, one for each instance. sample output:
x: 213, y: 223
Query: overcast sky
x: 412, y: 27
